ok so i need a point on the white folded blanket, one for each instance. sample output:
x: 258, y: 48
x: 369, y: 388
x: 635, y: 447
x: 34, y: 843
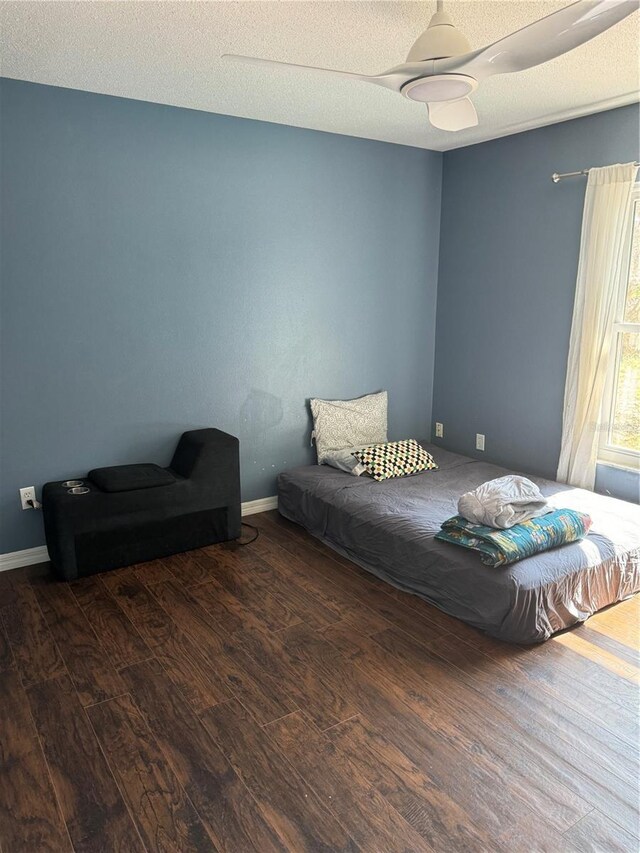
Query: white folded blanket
x: 503, y: 502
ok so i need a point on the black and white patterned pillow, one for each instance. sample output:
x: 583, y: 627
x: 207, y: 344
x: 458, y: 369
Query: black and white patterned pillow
x: 395, y: 459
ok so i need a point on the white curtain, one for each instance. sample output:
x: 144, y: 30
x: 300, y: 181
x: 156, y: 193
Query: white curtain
x: 606, y: 208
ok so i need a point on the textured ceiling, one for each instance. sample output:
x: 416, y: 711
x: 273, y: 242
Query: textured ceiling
x: 169, y: 52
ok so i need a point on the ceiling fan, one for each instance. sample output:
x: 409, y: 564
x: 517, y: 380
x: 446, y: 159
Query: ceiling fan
x: 441, y: 69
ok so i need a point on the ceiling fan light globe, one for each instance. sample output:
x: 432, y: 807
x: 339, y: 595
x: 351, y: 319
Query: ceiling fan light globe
x: 442, y: 87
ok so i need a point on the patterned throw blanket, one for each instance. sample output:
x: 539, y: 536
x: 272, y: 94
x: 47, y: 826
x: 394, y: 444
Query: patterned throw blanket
x: 501, y: 547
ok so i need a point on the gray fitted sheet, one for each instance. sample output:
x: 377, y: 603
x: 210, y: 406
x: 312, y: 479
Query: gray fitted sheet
x: 388, y: 528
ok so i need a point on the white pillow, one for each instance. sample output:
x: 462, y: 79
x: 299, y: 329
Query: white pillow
x: 344, y: 460
x: 342, y: 424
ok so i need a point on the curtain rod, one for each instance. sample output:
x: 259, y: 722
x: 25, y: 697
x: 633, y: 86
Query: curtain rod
x: 559, y: 176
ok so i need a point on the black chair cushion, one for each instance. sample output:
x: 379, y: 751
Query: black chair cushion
x: 127, y: 478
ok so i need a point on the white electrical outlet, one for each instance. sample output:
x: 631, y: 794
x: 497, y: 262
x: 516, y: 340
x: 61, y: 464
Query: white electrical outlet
x: 479, y: 441
x: 439, y: 430
x: 28, y: 494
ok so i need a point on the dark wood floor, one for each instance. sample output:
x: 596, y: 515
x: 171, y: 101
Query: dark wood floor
x: 275, y: 697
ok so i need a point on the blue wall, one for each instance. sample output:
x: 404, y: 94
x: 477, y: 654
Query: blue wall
x: 164, y: 269
x: 508, y: 261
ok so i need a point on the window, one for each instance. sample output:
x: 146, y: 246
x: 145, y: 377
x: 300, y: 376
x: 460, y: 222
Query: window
x: 620, y: 438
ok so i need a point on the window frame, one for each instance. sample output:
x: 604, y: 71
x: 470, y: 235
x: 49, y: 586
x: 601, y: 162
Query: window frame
x: 608, y: 453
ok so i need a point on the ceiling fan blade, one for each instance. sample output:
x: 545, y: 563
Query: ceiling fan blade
x: 453, y: 115
x: 393, y: 79
x: 252, y: 60
x: 541, y: 41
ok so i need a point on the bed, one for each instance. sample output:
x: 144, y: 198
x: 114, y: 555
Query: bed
x: 388, y: 528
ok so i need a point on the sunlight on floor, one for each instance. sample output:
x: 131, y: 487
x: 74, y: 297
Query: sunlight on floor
x: 572, y: 640
x: 628, y: 637
x: 620, y: 622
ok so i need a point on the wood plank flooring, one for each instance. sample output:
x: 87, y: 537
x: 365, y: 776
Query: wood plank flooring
x: 275, y: 697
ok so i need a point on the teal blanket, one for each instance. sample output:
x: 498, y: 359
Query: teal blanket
x: 501, y: 547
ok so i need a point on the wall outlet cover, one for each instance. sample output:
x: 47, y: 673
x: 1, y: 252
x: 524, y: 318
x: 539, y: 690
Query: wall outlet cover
x: 479, y: 441
x: 439, y: 430
x: 28, y: 494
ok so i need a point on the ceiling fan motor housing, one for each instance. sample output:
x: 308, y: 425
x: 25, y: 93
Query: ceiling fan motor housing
x: 440, y: 40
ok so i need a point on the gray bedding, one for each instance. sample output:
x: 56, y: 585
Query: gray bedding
x: 388, y: 528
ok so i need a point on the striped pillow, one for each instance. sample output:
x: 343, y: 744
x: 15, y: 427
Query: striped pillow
x: 395, y: 459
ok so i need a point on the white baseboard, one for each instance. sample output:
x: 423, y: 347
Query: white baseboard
x: 261, y: 505
x: 31, y: 556
x: 28, y: 557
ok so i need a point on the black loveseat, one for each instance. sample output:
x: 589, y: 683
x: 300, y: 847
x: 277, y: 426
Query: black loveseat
x: 136, y: 513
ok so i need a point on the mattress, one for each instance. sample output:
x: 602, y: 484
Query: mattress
x: 388, y: 528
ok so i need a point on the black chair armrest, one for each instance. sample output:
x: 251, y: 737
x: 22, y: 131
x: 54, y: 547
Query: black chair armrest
x: 202, y: 452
